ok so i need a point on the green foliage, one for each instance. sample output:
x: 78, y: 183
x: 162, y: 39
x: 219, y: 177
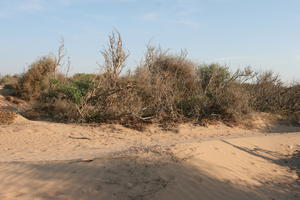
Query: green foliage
x: 213, y: 77
x: 72, y: 89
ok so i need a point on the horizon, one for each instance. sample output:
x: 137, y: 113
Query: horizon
x: 263, y: 35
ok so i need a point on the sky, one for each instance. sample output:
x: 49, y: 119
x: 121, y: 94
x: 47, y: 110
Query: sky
x: 264, y: 34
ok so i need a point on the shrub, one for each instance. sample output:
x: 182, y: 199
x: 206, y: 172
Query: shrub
x: 165, y: 88
x: 219, y: 95
x: 58, y: 109
x: 74, y: 89
x: 266, y: 92
x: 36, y: 79
x: 164, y: 80
x: 63, y: 98
x: 92, y: 97
x: 269, y: 94
x: 10, y: 81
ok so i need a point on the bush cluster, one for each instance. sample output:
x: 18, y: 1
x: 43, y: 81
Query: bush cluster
x: 164, y: 88
x: 269, y: 94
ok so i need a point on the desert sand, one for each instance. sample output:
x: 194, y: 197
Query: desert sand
x: 44, y: 160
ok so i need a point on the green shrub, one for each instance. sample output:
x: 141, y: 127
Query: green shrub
x: 73, y: 89
x: 62, y: 100
x: 213, y: 77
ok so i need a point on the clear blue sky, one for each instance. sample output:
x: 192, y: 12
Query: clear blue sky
x: 262, y: 33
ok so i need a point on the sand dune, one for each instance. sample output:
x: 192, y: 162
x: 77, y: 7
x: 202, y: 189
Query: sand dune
x: 42, y: 160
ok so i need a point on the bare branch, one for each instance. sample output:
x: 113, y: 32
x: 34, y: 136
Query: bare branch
x: 114, y: 56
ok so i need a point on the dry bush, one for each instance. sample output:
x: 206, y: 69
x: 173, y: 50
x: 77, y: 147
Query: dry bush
x: 120, y: 103
x: 164, y: 80
x: 6, y: 117
x: 266, y: 92
x: 36, y: 79
x: 269, y: 94
x: 291, y: 104
x: 112, y: 97
x: 9, y: 81
x: 114, y: 56
x: 59, y: 109
x: 290, y: 99
x: 165, y: 88
x: 89, y: 98
x: 219, y: 95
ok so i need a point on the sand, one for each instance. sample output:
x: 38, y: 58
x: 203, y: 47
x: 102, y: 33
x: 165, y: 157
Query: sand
x: 45, y: 161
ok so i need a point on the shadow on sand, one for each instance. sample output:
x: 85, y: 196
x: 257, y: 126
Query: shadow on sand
x: 293, y: 161
x: 147, y: 174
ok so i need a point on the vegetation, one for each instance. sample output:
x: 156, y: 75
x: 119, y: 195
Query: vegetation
x: 9, y: 81
x: 164, y: 88
x: 6, y: 117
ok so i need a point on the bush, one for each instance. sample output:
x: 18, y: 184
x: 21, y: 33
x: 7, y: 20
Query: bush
x: 269, y: 94
x: 36, y: 79
x: 74, y: 89
x: 266, y: 92
x: 219, y: 95
x: 63, y: 98
x: 164, y: 80
x: 165, y: 88
x: 9, y: 81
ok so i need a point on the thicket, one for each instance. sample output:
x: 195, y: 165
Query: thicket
x: 164, y: 88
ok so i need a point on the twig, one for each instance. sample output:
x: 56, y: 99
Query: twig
x: 79, y: 138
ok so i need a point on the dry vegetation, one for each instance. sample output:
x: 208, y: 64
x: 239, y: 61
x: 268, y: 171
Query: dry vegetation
x: 9, y: 81
x: 6, y: 117
x: 164, y: 88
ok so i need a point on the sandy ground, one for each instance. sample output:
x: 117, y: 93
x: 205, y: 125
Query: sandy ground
x: 43, y: 160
